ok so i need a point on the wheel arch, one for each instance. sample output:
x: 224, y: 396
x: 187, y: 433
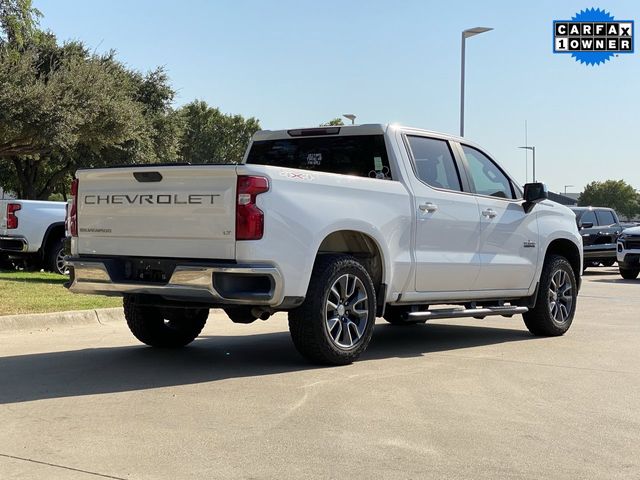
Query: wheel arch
x: 570, y: 251
x: 362, y: 246
x: 54, y: 231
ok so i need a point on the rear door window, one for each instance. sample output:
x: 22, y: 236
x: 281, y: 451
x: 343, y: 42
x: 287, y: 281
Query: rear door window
x: 434, y: 163
x: 359, y: 155
x: 605, y: 217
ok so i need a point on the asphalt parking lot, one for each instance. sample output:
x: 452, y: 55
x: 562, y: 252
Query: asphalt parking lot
x: 449, y: 399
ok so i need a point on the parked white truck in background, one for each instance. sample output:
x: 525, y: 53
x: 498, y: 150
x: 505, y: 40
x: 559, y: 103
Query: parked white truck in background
x: 33, y: 231
x: 628, y: 253
x: 335, y: 225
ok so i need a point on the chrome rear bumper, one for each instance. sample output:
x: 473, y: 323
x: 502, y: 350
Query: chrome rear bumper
x: 13, y: 244
x: 214, y: 284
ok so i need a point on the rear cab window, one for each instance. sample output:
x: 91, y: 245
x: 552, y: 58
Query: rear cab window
x: 359, y: 155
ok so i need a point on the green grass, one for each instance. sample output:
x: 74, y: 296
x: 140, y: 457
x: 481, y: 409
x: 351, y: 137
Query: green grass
x: 39, y: 292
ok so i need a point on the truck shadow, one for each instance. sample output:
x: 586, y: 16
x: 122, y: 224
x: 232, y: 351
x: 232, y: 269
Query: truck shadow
x: 121, y: 369
x: 617, y: 280
x: 598, y: 271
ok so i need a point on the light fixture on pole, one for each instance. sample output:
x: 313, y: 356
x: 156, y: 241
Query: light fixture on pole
x: 533, y: 149
x: 565, y: 188
x: 351, y: 117
x: 469, y: 32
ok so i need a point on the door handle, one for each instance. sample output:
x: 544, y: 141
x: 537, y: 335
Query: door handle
x: 428, y: 207
x: 489, y: 212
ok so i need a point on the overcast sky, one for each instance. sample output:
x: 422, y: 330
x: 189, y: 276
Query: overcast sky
x: 299, y: 63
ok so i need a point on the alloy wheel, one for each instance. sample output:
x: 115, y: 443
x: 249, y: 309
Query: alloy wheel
x: 560, y: 296
x: 347, y: 311
x: 60, y: 266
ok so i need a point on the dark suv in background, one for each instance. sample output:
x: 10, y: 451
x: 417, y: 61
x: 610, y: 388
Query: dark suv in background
x: 599, y: 228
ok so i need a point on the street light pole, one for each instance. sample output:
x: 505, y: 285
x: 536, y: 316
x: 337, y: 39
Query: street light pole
x: 462, y: 62
x: 533, y: 149
x: 470, y: 32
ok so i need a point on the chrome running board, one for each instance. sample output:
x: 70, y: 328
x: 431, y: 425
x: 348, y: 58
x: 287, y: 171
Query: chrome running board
x: 467, y: 312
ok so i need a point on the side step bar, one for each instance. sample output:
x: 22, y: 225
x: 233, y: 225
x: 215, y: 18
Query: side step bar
x: 466, y: 312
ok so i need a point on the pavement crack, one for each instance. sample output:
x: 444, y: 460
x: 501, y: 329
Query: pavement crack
x: 31, y: 460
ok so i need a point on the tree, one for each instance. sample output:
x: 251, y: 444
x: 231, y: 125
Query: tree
x: 333, y: 122
x: 210, y: 136
x: 62, y: 107
x: 616, y: 194
x: 47, y: 116
x: 18, y: 22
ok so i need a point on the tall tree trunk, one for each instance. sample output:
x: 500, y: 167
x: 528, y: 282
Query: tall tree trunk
x: 27, y: 174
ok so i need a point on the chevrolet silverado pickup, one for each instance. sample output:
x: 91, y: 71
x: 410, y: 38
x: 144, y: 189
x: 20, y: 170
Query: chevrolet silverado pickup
x: 32, y: 232
x: 336, y: 226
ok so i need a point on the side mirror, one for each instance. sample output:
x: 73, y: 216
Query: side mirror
x: 534, y: 193
x: 586, y: 225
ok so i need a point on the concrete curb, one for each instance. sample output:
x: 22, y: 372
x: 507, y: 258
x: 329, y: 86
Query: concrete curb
x: 40, y: 321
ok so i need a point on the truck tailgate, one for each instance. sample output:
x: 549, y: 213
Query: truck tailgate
x: 165, y: 211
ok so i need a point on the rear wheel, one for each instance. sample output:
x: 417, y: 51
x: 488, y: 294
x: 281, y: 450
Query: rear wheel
x: 335, y: 323
x: 556, y: 301
x: 629, y: 273
x: 164, y: 327
x: 54, y: 261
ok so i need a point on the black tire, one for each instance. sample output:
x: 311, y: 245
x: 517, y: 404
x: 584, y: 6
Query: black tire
x: 54, y: 256
x: 5, y: 263
x: 543, y: 319
x: 629, y: 273
x: 309, y: 323
x: 608, y: 262
x: 240, y: 314
x: 159, y: 327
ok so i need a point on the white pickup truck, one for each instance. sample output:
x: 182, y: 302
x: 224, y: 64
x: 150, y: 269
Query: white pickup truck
x: 337, y: 226
x: 33, y: 231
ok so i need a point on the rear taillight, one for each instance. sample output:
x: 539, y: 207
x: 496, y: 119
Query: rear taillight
x: 72, y: 210
x: 12, y: 219
x: 249, y: 218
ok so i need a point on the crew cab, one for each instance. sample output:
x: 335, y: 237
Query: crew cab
x: 33, y: 231
x: 628, y: 253
x: 599, y: 228
x: 337, y: 226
